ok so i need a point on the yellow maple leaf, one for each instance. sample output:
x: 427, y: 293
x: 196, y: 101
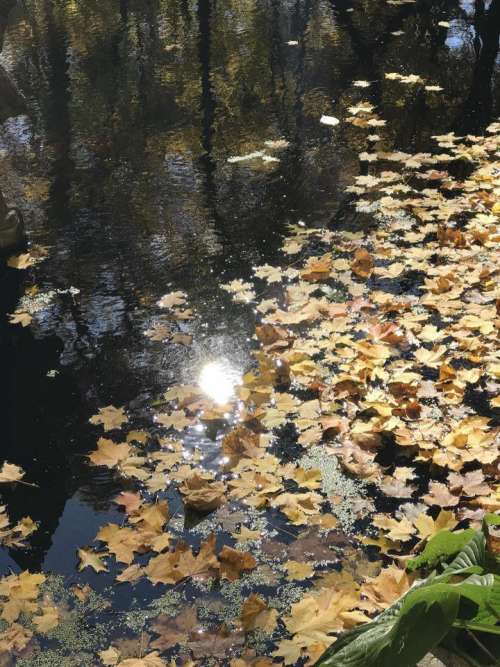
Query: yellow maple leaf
x: 109, y: 453
x: 91, y: 559
x: 110, y: 418
x: 48, y: 620
x: 171, y: 300
x: 110, y: 656
x: 427, y: 527
x: 10, y: 473
x: 20, y: 317
x: 298, y: 571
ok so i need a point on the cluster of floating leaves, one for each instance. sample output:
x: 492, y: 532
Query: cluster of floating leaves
x: 392, y: 386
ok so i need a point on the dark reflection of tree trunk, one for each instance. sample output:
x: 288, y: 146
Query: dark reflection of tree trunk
x: 301, y: 19
x: 478, y: 108
x: 148, y: 48
x: 207, y: 102
x: 186, y: 13
x: 5, y: 7
x: 124, y: 11
x: 120, y: 34
x: 11, y: 102
x: 58, y: 121
x: 278, y: 76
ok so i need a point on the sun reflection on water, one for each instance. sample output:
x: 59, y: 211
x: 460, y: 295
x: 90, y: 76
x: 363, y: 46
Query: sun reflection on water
x: 218, y: 379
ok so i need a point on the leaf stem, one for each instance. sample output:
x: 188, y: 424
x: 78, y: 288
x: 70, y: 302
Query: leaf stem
x: 482, y: 647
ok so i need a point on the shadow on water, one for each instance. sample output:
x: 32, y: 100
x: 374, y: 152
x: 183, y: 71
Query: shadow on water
x: 122, y: 170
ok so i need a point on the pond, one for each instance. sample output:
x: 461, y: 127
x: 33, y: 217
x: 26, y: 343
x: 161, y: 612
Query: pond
x: 126, y: 170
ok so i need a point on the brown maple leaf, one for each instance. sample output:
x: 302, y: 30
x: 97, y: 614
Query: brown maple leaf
x: 171, y: 567
x: 241, y: 443
x: 215, y: 643
x: 172, y: 300
x: 14, y: 638
x: 109, y: 453
x: 312, y: 545
x: 256, y: 615
x: 174, y: 630
x: 471, y: 484
x: 234, y: 562
x: 129, y: 501
x: 317, y: 269
x: 202, y: 492
x: 362, y: 264
x: 382, y: 590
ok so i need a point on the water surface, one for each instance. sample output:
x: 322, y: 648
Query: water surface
x: 122, y: 171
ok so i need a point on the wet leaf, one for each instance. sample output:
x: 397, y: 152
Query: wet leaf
x: 256, y: 615
x: 174, y: 630
x: 362, y: 264
x: 48, y: 620
x: 234, y: 562
x: 10, y: 473
x: 109, y: 453
x: 110, y: 418
x: 20, y: 317
x: 440, y: 495
x: 202, y: 492
x: 110, y: 656
x: 298, y: 571
x: 91, y: 559
x: 172, y: 300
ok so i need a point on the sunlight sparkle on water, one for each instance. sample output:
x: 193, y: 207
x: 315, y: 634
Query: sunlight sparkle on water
x: 218, y: 380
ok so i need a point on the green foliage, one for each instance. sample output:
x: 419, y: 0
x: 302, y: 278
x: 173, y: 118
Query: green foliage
x: 464, y: 597
x: 442, y: 546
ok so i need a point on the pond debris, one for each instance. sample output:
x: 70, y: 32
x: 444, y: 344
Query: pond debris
x: 329, y: 120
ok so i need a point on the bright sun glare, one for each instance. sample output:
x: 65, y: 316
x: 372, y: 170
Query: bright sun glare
x: 218, y: 380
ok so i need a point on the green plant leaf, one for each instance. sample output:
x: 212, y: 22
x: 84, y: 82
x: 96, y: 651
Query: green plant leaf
x: 442, y: 546
x: 492, y: 519
x: 489, y: 612
x: 470, y: 560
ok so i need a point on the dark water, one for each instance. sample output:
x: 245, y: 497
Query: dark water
x: 122, y: 171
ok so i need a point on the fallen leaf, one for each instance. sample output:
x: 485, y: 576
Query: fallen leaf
x: 129, y: 501
x: 20, y: 317
x: 48, y: 620
x: 172, y: 300
x: 10, y: 473
x: 110, y: 656
x: 256, y: 615
x: 109, y: 453
x: 150, y: 660
x: 23, y: 261
x: 202, y: 492
x: 234, y: 562
x: 110, y: 417
x: 440, y: 495
x: 91, y: 559
x: 427, y: 527
x: 297, y: 571
x: 362, y: 264
x: 174, y: 630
